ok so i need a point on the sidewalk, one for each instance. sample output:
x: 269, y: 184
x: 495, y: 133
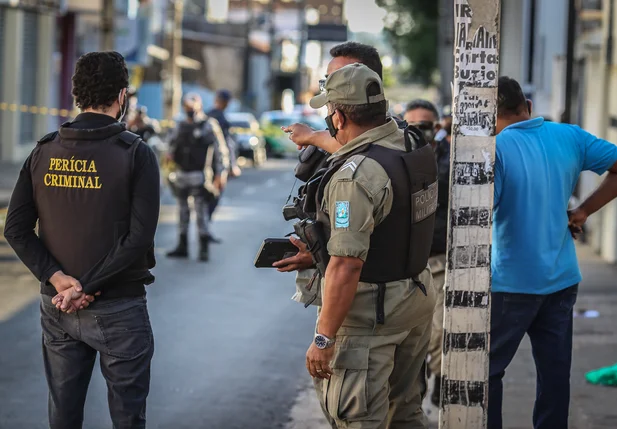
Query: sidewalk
x: 595, y: 346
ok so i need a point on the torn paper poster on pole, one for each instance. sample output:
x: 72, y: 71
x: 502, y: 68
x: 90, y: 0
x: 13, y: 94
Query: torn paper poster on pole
x: 468, y: 273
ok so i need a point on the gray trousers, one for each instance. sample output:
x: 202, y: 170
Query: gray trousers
x: 191, y: 184
x: 119, y: 330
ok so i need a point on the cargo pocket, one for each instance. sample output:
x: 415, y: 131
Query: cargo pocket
x: 347, y: 392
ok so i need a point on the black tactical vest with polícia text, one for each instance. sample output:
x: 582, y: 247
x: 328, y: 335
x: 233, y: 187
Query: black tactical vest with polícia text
x: 400, y: 245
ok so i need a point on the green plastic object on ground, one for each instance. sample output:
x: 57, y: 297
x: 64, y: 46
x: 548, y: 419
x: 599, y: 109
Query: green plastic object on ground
x: 605, y: 376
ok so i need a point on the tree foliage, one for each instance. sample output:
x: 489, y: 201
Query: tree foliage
x: 412, y: 27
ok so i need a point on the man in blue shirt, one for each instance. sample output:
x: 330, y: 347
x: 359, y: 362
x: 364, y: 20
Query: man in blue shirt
x: 535, y: 272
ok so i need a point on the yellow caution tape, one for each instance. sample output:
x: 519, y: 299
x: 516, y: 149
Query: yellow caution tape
x: 36, y: 110
x: 54, y: 111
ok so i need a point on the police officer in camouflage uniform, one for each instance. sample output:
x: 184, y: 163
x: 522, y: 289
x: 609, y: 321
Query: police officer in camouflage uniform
x: 200, y: 154
x: 374, y: 323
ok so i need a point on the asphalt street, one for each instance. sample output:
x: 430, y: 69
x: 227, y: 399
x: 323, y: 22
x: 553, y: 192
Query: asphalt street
x: 230, y: 343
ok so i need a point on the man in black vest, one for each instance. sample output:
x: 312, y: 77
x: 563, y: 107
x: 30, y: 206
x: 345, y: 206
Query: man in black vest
x: 199, y: 151
x: 93, y: 187
x: 424, y: 115
x: 376, y: 205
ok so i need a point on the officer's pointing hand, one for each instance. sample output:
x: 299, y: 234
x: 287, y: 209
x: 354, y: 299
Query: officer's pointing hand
x: 300, y: 134
x: 300, y: 261
x: 318, y: 361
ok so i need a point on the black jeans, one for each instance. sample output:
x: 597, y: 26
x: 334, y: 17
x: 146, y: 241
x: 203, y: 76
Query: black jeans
x: 547, y: 319
x: 118, y: 329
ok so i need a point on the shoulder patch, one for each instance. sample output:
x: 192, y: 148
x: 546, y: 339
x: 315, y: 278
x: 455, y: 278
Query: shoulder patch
x: 48, y: 137
x: 341, y: 215
x: 128, y: 137
x: 349, y: 168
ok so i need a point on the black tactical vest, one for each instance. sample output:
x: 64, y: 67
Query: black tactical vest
x: 401, y: 244
x: 440, y: 237
x: 192, y: 143
x: 81, y: 181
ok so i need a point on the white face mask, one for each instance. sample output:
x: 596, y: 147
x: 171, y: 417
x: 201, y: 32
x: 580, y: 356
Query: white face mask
x: 123, y: 107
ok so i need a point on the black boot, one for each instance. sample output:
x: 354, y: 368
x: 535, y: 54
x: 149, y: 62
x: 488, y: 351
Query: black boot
x: 204, y: 244
x: 436, y: 396
x: 181, y: 251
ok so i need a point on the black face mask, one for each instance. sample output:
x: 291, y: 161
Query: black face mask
x: 330, y: 125
x: 427, y: 128
x: 190, y: 114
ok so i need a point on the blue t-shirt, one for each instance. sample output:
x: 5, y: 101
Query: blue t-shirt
x: 537, y: 166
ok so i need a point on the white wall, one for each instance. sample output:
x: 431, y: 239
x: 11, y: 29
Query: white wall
x: 512, y: 47
x: 551, y: 37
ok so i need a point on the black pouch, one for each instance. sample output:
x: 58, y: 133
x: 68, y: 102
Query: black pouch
x: 310, y: 160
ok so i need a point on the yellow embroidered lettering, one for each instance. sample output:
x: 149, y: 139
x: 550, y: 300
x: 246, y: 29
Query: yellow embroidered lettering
x: 81, y: 182
x: 92, y: 167
x: 97, y: 184
x: 47, y: 179
x: 65, y: 165
x: 72, y: 164
x: 89, y: 184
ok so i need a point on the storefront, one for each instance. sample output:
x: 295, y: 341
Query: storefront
x: 27, y: 30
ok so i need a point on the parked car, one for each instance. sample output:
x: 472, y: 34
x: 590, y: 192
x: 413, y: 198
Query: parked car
x: 250, y: 142
x: 277, y: 142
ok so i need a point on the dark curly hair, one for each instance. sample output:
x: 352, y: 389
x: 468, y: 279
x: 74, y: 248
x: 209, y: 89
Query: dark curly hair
x: 365, y: 54
x: 99, y: 77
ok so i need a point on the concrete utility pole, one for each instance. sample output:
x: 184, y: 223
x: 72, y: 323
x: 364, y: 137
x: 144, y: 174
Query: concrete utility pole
x: 108, y: 13
x: 468, y: 273
x: 271, y: 57
x: 246, y: 73
x: 567, y: 112
x: 173, y: 44
x: 299, y: 87
x: 445, y: 43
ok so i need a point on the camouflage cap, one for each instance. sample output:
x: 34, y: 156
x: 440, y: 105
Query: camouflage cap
x: 348, y: 86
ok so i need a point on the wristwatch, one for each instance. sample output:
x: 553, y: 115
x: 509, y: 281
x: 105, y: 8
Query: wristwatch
x: 322, y: 342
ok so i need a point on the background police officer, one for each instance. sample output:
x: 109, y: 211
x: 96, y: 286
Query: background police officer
x: 374, y: 324
x: 199, y: 151
x: 423, y: 115
x: 94, y: 190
